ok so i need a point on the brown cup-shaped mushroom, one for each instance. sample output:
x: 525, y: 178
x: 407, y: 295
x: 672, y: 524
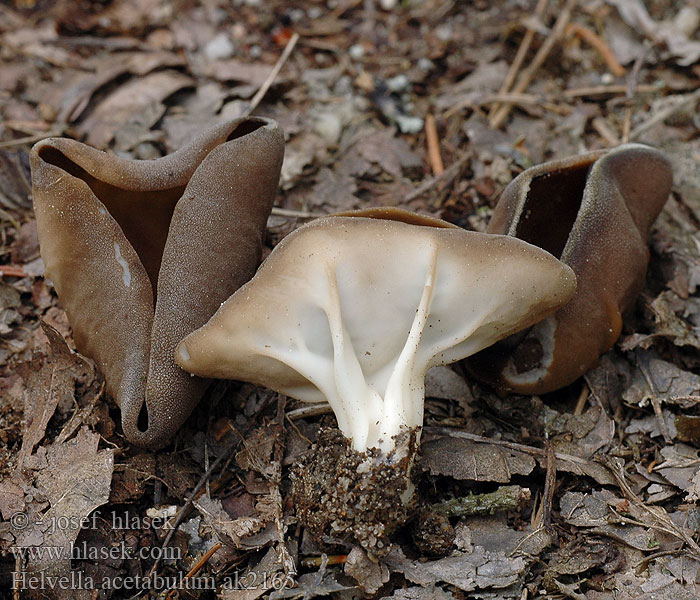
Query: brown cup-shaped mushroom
x: 593, y: 212
x: 143, y: 252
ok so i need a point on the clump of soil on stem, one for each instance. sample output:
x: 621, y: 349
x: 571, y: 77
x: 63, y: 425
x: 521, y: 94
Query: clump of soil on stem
x: 342, y: 493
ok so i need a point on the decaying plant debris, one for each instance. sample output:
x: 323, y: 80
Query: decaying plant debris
x: 433, y: 106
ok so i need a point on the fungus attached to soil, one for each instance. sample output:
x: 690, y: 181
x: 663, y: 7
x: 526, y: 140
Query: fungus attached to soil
x: 593, y: 212
x: 354, y: 309
x: 143, y: 252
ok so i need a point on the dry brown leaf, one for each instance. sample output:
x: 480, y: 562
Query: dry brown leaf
x: 463, y: 459
x: 76, y: 94
x: 133, y: 97
x: 369, y: 574
x: 75, y: 481
x: 231, y: 69
x: 391, y: 153
x: 48, y: 381
x: 478, y: 569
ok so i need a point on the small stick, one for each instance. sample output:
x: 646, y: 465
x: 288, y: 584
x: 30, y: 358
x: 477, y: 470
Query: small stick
x: 657, y: 514
x: 527, y: 75
x: 197, y: 567
x: 604, y: 130
x: 592, y: 38
x: 522, y: 99
x: 664, y: 114
x: 12, y: 271
x: 30, y: 139
x: 431, y: 138
x: 322, y: 408
x: 316, y: 561
x: 450, y: 173
x: 296, y: 214
x: 520, y: 56
x: 583, y: 397
x: 181, y: 513
x: 550, y: 483
x: 632, y: 82
x: 604, y: 90
x: 539, y: 452
x: 260, y: 94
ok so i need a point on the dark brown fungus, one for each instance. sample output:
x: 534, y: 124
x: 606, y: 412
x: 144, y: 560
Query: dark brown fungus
x: 593, y: 212
x: 143, y: 252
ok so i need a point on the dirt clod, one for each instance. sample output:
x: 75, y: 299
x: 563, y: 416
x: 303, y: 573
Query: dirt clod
x: 336, y: 496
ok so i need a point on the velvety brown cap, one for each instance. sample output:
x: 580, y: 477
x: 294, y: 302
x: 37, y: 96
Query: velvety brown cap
x: 592, y: 211
x: 143, y: 252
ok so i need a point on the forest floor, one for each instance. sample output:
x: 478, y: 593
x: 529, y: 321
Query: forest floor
x: 434, y: 106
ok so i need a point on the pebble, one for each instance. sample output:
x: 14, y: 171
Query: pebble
x: 425, y: 64
x: 219, y: 47
x: 329, y: 126
x: 408, y: 124
x: 356, y: 52
x: 398, y: 84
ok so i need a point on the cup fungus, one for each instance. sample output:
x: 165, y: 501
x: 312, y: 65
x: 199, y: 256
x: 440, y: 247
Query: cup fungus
x: 592, y: 211
x: 354, y: 310
x: 143, y: 252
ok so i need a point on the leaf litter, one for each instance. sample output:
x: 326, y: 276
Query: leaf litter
x: 590, y: 492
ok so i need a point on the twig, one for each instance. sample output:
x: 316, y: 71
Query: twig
x: 655, y: 403
x: 316, y: 561
x: 527, y: 75
x: 522, y: 99
x: 539, y: 452
x: 520, y: 56
x: 30, y: 139
x: 322, y: 408
x: 582, y: 399
x: 550, y: 483
x: 12, y: 271
x: 590, y: 36
x: 296, y: 214
x: 656, y: 513
x: 181, y: 513
x: 260, y: 94
x: 450, y: 173
x: 197, y: 567
x: 605, y: 90
x: 632, y: 82
x: 431, y: 138
x: 664, y: 114
x: 603, y: 129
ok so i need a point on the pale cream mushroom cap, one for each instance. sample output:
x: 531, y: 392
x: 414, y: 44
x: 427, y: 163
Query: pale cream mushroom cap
x: 355, y: 310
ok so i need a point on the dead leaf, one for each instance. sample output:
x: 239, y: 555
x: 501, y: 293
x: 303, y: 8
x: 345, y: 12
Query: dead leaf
x: 48, y: 381
x: 391, y: 153
x: 103, y: 69
x: 369, y: 574
x: 26, y: 245
x: 254, y: 74
x: 635, y: 14
x: 133, y: 97
x: 333, y: 192
x: 420, y: 593
x: 15, y: 191
x: 303, y: 150
x: 463, y: 459
x: 479, y: 569
x: 75, y: 481
x: 579, y: 435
